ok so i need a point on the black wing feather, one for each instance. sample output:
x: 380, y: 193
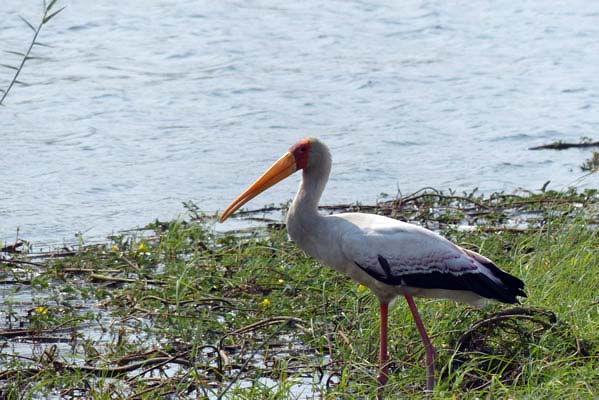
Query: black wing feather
x: 505, y: 291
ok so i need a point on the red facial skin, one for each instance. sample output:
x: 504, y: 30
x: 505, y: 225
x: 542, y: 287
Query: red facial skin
x: 300, y: 151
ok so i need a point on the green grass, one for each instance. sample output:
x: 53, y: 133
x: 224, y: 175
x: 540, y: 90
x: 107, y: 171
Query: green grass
x: 179, y: 311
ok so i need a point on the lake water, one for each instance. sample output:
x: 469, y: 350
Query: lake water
x: 141, y: 105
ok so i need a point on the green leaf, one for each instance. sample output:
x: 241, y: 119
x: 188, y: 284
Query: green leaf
x: 28, y: 24
x: 50, y: 5
x: 9, y: 66
x: 49, y: 17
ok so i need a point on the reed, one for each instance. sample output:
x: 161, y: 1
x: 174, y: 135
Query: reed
x: 49, y: 12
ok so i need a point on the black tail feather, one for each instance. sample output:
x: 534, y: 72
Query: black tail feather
x: 511, y: 286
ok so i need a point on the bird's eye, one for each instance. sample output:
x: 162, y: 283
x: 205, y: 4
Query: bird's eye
x: 302, y: 149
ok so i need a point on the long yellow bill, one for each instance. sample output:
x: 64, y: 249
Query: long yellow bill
x: 280, y: 170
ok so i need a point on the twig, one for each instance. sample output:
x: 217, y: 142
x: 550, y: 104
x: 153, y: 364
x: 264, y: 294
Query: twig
x: 9, y: 262
x: 245, y: 364
x: 516, y: 313
x: 262, y: 323
x: 120, y: 370
x: 98, y: 277
x: 33, y: 332
x: 559, y: 145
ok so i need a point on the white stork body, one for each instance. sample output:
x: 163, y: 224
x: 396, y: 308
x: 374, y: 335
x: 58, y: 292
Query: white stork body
x: 355, y: 243
x: 389, y: 257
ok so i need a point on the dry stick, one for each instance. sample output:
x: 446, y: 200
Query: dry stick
x: 121, y: 370
x: 264, y: 322
x: 16, y: 282
x: 98, y: 277
x: 523, y: 313
x: 563, y: 145
x: 152, y: 367
x: 245, y: 364
x: 138, y: 395
x: 133, y: 265
x: 55, y: 254
x: 45, y: 339
x: 201, y: 301
x: 152, y: 387
x: 442, y: 196
x: 21, y: 372
x: 89, y: 270
x: 9, y: 262
x: 129, y: 358
x: 33, y: 332
x: 255, y: 326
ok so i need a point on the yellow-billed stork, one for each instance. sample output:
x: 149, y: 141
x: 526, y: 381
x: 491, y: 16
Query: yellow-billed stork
x: 389, y: 257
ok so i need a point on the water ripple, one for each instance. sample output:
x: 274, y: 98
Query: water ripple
x: 139, y: 108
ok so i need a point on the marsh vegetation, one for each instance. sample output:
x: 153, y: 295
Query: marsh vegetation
x: 180, y: 311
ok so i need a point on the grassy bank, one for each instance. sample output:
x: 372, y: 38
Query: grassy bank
x: 177, y: 310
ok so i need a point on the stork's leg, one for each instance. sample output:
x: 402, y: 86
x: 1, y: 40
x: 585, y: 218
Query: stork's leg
x: 431, y: 354
x: 384, y: 358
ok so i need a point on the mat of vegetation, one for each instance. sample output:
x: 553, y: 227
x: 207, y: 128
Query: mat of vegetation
x: 179, y: 311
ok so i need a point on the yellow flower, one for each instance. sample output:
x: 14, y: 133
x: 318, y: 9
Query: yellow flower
x: 280, y: 281
x: 266, y: 302
x: 114, y: 248
x: 41, y: 310
x: 361, y: 288
x: 142, y: 248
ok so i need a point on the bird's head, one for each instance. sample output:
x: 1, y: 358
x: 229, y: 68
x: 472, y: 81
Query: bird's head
x: 301, y: 155
x: 301, y: 152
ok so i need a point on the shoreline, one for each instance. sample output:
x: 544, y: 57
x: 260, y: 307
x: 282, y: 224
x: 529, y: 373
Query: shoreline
x: 180, y: 308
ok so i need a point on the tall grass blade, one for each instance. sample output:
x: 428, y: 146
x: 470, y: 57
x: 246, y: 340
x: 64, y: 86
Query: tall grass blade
x: 49, y: 7
x: 28, y: 24
x: 9, y: 66
x: 18, y: 53
x: 26, y: 55
x: 49, y: 17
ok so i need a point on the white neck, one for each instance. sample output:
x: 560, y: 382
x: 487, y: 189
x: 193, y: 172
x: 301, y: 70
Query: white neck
x: 303, y: 216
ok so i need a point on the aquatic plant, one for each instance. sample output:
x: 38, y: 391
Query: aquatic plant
x: 591, y: 164
x: 47, y: 15
x: 178, y: 311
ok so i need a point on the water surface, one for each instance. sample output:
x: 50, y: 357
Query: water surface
x: 142, y: 105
